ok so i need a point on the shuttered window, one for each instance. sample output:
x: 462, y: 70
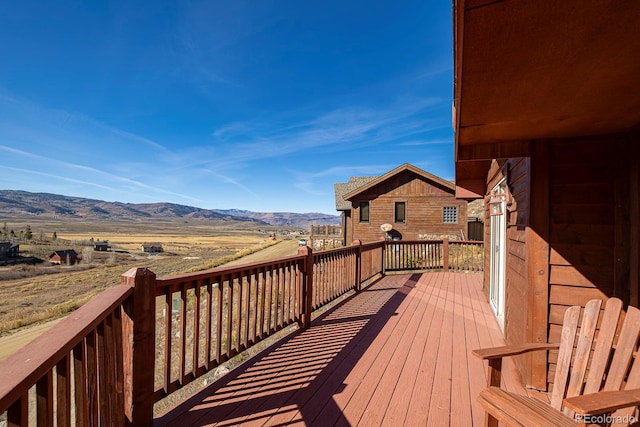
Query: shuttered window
x: 400, y: 212
x: 364, y: 211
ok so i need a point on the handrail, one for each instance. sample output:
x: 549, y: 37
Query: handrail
x: 58, y: 348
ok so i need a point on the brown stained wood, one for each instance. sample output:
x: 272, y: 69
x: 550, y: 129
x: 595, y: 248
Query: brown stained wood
x: 569, y: 295
x: 168, y: 338
x: 139, y: 346
x: 379, y: 404
x: 195, y: 342
x: 18, y: 412
x: 516, y: 410
x: 102, y: 380
x: 373, y: 357
x: 632, y: 383
x: 569, y: 328
x: 118, y: 416
x: 583, y: 350
x: 92, y: 378
x: 622, y: 244
x: 110, y: 370
x: 228, y: 280
x: 241, y: 312
x: 260, y: 302
x: 460, y: 397
x: 255, y: 306
x: 269, y: 301
x: 634, y: 228
x: 589, y: 277
x: 219, y: 315
x: 63, y: 392
x: 39, y: 356
x: 182, y: 325
x: 626, y: 345
x: 44, y: 400
x: 208, y: 347
x: 604, y: 402
x: 80, y: 384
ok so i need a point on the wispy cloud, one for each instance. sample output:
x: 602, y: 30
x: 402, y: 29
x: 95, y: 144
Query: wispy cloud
x: 341, y: 129
x: 419, y: 142
x: 235, y: 183
x: 59, y: 177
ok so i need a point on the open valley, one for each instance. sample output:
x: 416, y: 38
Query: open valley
x: 36, y: 293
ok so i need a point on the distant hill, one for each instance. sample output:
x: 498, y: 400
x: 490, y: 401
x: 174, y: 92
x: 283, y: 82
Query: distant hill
x: 18, y: 202
x: 286, y: 218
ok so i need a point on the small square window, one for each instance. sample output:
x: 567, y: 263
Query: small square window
x: 400, y: 211
x: 450, y: 214
x: 364, y: 211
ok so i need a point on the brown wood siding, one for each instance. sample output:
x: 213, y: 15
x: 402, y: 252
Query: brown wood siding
x: 516, y: 288
x: 517, y: 172
x: 589, y: 224
x: 424, y: 207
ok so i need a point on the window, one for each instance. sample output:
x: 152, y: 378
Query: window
x: 399, y: 212
x: 450, y: 214
x: 364, y: 211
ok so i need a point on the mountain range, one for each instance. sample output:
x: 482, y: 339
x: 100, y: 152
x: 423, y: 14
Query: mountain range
x: 17, y: 202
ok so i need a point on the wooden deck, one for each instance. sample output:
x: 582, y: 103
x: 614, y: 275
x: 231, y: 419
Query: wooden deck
x: 399, y: 353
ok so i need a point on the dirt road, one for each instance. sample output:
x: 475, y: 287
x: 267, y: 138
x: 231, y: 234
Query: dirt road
x: 11, y: 343
x: 282, y: 249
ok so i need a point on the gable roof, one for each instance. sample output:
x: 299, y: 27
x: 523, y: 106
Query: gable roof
x: 402, y: 168
x: 63, y: 253
x: 343, y: 188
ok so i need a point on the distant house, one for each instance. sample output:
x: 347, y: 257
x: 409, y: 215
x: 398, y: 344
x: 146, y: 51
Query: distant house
x: 153, y: 248
x: 405, y: 203
x: 9, y: 250
x: 101, y: 246
x: 67, y: 256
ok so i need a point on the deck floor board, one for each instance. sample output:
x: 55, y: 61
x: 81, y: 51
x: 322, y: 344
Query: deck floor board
x: 398, y: 353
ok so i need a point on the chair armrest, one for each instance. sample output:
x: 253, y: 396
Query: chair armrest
x: 603, y: 402
x: 511, y: 350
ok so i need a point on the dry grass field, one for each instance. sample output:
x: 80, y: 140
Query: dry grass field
x: 33, y: 294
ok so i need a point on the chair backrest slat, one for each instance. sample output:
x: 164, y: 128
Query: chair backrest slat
x: 622, y: 416
x: 583, y: 349
x: 625, y: 347
x: 604, y: 344
x: 567, y: 339
x: 606, y: 369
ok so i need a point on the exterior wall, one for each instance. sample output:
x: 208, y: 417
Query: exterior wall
x: 519, y: 306
x: 424, y: 203
x: 589, y: 201
x: 573, y: 233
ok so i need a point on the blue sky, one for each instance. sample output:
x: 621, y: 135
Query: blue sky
x: 257, y: 105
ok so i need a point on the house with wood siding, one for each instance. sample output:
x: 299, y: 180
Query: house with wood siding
x: 416, y: 204
x: 66, y: 256
x: 547, y: 118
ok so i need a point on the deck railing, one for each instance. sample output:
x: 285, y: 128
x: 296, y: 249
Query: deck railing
x: 96, y: 367
x: 454, y: 255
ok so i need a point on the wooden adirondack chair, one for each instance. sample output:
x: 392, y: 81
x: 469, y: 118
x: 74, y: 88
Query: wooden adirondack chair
x: 603, y: 387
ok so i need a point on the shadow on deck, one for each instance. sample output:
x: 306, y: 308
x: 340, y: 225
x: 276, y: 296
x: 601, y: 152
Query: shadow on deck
x: 398, y: 353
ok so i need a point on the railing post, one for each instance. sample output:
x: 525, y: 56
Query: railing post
x: 307, y: 285
x: 358, y: 286
x: 138, y: 335
x: 383, y: 262
x: 445, y: 254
